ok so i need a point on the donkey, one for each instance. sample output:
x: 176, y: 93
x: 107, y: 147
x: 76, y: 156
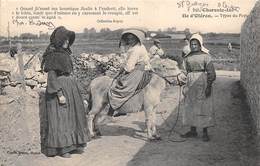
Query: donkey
x: 165, y: 70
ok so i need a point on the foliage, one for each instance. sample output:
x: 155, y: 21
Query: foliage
x: 28, y: 36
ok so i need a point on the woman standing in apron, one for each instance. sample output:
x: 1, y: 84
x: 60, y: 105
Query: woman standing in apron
x: 198, y: 103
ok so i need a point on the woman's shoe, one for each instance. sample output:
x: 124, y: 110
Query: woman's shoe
x: 78, y: 151
x: 205, y: 138
x: 119, y: 114
x: 189, y: 134
x: 66, y: 155
x: 106, y: 120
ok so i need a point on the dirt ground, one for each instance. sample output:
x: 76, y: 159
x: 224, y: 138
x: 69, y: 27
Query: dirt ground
x: 124, y: 141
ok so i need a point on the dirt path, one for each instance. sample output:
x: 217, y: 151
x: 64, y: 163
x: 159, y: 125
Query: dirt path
x: 124, y: 144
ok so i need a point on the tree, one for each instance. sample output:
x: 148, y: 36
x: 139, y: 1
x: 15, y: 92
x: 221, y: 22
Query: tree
x: 85, y: 30
x: 44, y: 36
x: 187, y: 30
x: 2, y: 37
x: 187, y: 33
x: 172, y: 29
x: 28, y: 36
x: 104, y: 30
x: 92, y: 31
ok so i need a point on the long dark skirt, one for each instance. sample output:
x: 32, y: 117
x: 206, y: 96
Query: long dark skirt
x: 66, y: 124
x: 126, y: 86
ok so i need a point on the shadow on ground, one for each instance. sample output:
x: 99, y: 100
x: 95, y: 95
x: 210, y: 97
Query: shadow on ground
x: 232, y: 139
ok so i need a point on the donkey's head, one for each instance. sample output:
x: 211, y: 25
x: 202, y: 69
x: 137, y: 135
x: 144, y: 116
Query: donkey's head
x: 168, y: 69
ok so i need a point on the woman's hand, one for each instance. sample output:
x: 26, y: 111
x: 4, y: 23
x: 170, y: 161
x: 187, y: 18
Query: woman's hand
x: 182, y: 79
x: 184, y: 91
x: 208, y: 91
x: 123, y: 71
x: 62, y: 99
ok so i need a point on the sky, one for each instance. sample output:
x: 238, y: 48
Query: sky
x: 151, y: 14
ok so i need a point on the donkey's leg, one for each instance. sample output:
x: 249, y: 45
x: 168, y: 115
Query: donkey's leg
x: 153, y: 125
x: 95, y: 126
x: 95, y: 121
x: 152, y: 99
x: 96, y: 109
x: 148, y: 121
x: 149, y: 98
x: 91, y: 117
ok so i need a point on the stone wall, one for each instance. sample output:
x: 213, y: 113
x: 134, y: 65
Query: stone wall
x: 250, y: 62
x: 19, y: 123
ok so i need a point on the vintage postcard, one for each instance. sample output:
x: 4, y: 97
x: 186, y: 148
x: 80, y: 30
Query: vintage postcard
x: 124, y: 83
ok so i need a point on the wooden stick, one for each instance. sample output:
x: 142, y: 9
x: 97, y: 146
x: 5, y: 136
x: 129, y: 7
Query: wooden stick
x: 21, y: 65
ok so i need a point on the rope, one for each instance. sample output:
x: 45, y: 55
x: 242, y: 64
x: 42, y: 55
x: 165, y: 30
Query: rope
x: 178, y: 113
x: 172, y: 130
x: 165, y: 77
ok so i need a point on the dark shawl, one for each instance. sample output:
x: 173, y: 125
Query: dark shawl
x: 55, y: 57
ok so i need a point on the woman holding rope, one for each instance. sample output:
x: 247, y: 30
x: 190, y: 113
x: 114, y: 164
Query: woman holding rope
x: 198, y: 103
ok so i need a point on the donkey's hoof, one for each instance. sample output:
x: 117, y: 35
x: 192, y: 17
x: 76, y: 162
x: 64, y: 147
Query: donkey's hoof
x: 120, y: 114
x: 155, y: 138
x: 106, y: 120
x: 96, y: 137
x: 98, y: 134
